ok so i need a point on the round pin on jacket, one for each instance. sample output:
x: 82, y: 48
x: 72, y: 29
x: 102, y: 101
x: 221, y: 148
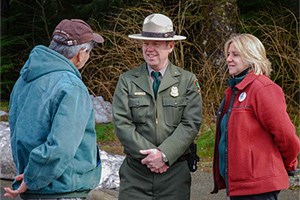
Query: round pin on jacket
x: 242, y: 96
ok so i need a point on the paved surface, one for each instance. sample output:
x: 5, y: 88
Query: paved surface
x: 202, y: 185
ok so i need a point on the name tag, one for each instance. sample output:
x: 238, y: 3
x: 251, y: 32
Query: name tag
x: 140, y: 93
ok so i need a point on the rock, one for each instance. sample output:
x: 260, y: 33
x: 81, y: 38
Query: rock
x: 7, y: 166
x: 103, y: 194
x: 103, y: 109
x: 3, y: 113
x: 110, y: 170
x: 3, y: 116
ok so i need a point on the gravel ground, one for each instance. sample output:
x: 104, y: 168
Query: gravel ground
x: 202, y: 185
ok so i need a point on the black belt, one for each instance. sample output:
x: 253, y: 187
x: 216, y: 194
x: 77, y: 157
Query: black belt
x: 182, y: 158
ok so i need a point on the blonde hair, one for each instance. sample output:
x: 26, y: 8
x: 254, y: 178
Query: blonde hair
x: 252, y: 52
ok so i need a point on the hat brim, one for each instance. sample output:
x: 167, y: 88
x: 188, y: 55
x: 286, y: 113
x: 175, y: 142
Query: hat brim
x: 140, y: 37
x: 97, y: 38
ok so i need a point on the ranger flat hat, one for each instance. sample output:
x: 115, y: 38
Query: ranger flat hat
x: 157, y: 27
x: 75, y: 32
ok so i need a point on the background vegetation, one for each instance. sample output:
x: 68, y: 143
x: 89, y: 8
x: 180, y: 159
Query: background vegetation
x: 206, y: 23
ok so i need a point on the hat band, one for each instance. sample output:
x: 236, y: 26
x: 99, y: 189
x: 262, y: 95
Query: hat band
x: 158, y: 35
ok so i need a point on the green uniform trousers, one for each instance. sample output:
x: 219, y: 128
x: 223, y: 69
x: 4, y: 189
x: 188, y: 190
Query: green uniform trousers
x: 137, y: 182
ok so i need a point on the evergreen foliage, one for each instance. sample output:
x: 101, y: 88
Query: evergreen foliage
x: 27, y: 23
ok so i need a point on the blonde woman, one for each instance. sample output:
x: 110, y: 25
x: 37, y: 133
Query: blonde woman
x: 256, y: 144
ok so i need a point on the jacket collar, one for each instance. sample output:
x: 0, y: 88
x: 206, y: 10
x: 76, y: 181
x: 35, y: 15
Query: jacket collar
x: 142, y: 78
x: 143, y: 81
x: 170, y: 77
x: 237, y: 79
x: 246, y: 81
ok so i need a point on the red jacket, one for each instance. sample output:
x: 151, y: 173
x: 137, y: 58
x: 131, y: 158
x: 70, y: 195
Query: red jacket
x: 262, y: 143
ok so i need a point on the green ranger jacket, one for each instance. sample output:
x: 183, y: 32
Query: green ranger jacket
x: 169, y: 123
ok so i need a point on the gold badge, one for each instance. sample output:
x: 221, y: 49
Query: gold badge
x: 174, y: 91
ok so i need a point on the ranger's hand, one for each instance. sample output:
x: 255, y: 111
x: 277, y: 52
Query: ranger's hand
x: 154, y: 160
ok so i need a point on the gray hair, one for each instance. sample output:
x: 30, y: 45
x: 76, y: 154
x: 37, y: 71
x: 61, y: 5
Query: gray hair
x: 69, y: 51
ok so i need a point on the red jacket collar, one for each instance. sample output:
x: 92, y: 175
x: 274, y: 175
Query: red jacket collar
x: 246, y: 81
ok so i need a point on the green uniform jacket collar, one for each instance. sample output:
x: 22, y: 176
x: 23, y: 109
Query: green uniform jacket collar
x: 142, y: 78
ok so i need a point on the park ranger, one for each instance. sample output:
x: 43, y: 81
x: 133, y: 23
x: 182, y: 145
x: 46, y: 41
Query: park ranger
x: 157, y: 112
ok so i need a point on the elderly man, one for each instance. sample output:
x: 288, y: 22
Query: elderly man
x: 157, y: 111
x: 51, y: 119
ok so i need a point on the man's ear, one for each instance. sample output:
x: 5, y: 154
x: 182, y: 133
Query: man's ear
x: 80, y: 55
x: 171, y: 45
x: 77, y: 59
